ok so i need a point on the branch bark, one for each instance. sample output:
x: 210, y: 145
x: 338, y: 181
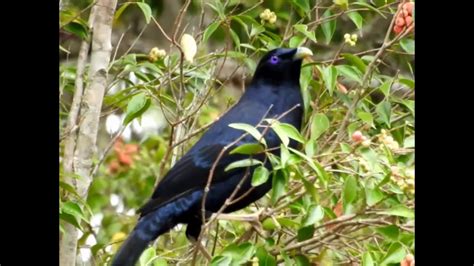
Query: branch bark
x: 79, y: 152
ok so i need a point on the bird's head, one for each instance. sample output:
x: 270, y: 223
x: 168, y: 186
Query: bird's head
x: 281, y: 65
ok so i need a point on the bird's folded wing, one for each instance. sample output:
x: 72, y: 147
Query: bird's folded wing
x: 191, y: 172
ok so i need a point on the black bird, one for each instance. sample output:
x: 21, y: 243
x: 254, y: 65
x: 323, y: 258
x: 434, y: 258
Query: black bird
x: 274, y: 90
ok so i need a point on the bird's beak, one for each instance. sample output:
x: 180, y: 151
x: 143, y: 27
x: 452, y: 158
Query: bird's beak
x: 302, y: 52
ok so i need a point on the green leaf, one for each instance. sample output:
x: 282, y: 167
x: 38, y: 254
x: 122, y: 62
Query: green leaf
x: 141, y: 76
x: 399, y: 210
x: 264, y: 259
x: 346, y: 147
x: 385, y: 87
x: 409, y: 82
x: 290, y: 131
x: 136, y: 107
x: 239, y: 254
x: 278, y: 185
x: 210, y: 30
x: 409, y: 142
x: 319, y: 125
x: 288, y: 222
x: 219, y: 8
x: 68, y: 188
x: 71, y: 219
x: 395, y: 254
x: 309, y: 148
x: 303, y: 5
x: 355, y: 61
x: 322, y: 174
x: 372, y: 159
x: 384, y: 111
x: 352, y: 128
x: 344, y: 4
x: 146, y: 11
x: 256, y: 29
x: 221, y: 261
x: 302, y: 260
x: 310, y: 189
x: 246, y: 45
x: 281, y: 134
x: 251, y: 130
x: 366, y: 117
x: 248, y: 148
x: 304, y: 29
x: 73, y: 209
x: 260, y: 176
x: 286, y: 258
x: 315, y: 214
x: 119, y: 12
x: 328, y: 27
x: 269, y: 224
x: 284, y: 155
x: 367, y: 259
x: 350, y: 72
x: 350, y: 190
x: 390, y: 232
x: 147, y: 256
x: 408, y: 45
x: 329, y: 76
x: 356, y: 18
x: 160, y: 262
x: 410, y: 104
x: 296, y: 41
x: 305, y: 233
x: 242, y: 23
x: 235, y: 38
x: 79, y: 29
x: 243, y: 163
x: 373, y: 196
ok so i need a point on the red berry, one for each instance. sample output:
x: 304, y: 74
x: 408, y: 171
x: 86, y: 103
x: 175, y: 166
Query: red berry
x: 400, y: 21
x: 408, y: 8
x: 408, y: 21
x: 357, y: 136
x: 397, y: 29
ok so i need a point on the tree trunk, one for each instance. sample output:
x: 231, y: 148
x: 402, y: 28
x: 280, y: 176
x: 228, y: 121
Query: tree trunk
x: 78, y: 157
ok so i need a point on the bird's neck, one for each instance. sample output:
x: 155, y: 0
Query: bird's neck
x: 290, y: 77
x: 282, y: 96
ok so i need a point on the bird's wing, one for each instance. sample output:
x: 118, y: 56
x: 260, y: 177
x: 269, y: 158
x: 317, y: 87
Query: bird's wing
x: 192, y: 170
x: 189, y: 173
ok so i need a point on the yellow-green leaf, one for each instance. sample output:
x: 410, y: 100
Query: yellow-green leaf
x: 248, y: 148
x: 249, y: 129
x: 146, y: 11
x: 210, y: 30
x: 242, y: 163
x: 319, y: 125
x: 350, y: 190
x: 260, y: 176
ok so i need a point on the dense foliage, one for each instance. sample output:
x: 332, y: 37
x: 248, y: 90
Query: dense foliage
x: 346, y: 196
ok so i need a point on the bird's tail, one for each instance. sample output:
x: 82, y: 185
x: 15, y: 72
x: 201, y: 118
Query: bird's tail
x: 150, y: 226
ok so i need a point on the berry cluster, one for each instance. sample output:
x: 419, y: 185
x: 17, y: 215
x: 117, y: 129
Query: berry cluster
x: 156, y: 54
x: 350, y: 39
x: 269, y: 16
x: 125, y: 154
x: 404, y: 18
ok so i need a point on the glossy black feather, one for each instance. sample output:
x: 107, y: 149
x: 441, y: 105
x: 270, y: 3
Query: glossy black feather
x: 177, y: 198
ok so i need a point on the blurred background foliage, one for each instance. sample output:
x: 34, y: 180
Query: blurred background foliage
x: 346, y: 197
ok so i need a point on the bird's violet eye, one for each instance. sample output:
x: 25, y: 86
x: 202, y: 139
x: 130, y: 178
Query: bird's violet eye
x: 274, y: 59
